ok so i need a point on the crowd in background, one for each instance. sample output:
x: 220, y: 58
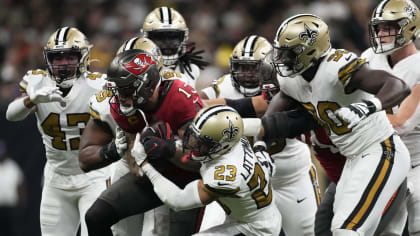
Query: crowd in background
x: 216, y: 26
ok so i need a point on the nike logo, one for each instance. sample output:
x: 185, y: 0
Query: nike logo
x: 348, y: 58
x: 414, y: 166
x: 301, y: 200
x: 364, y: 155
x: 195, y: 100
x: 222, y: 184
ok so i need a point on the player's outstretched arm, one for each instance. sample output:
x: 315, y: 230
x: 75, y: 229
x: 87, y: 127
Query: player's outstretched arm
x: 20, y: 108
x: 96, y: 137
x: 192, y: 196
x: 408, y: 113
x: 246, y: 107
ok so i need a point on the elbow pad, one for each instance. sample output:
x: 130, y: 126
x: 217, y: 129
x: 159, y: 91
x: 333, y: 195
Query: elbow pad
x: 287, y: 124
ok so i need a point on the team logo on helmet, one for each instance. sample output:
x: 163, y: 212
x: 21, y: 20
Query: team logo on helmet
x: 230, y: 132
x: 139, y: 64
x: 309, y: 36
x: 411, y: 10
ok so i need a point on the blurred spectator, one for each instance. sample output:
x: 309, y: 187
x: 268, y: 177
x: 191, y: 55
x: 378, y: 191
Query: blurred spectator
x: 12, y: 192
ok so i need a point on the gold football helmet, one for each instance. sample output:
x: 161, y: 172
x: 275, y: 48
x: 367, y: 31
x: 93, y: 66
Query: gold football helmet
x: 213, y: 132
x: 401, y: 15
x: 144, y: 44
x: 246, y: 64
x: 67, y: 54
x: 300, y: 41
x: 167, y: 28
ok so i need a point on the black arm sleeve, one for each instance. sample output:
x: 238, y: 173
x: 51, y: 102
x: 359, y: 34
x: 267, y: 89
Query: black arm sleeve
x: 287, y: 124
x: 243, y: 106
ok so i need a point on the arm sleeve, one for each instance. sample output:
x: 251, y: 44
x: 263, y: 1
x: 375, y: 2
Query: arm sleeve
x: 288, y: 124
x: 17, y: 110
x: 174, y: 197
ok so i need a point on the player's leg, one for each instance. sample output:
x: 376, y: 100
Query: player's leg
x: 367, y: 183
x: 126, y: 197
x: 131, y: 225
x: 156, y: 222
x: 59, y: 214
x: 88, y: 195
x: 296, y: 187
x: 324, y: 214
x: 413, y: 204
x: 185, y: 222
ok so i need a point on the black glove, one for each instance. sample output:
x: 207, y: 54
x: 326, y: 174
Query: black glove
x: 191, y: 57
x: 158, y: 141
x: 109, y: 152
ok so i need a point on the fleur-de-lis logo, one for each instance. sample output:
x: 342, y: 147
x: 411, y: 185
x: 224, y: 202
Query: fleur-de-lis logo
x: 231, y: 132
x: 309, y: 36
x: 411, y: 10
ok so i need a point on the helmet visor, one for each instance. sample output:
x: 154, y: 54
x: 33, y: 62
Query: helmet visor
x: 200, y: 146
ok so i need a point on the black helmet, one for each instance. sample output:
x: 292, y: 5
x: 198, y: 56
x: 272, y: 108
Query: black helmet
x: 134, y: 73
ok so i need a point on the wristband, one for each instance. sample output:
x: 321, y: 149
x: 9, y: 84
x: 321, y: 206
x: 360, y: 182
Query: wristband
x: 109, y: 152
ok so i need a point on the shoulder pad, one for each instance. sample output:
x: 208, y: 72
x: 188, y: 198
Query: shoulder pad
x: 367, y: 54
x: 345, y: 63
x: 96, y: 80
x: 99, y: 103
x: 168, y: 74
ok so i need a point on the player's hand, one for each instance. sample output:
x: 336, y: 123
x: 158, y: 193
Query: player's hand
x: 355, y: 112
x: 137, y: 152
x: 159, y: 141
x: 45, y: 95
x: 120, y: 142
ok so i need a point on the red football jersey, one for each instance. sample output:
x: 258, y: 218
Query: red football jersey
x: 178, y: 104
x: 326, y: 152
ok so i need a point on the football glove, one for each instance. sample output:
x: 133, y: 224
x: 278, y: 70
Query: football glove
x: 355, y: 112
x: 45, y: 95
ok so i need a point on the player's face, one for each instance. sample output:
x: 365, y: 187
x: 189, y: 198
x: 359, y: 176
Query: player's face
x: 246, y: 74
x: 64, y: 64
x: 167, y: 41
x: 386, y: 32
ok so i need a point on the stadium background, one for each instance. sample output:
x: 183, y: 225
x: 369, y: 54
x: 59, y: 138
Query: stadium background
x: 216, y: 26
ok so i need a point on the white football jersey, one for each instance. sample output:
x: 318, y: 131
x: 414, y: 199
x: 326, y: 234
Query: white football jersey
x: 223, y: 88
x: 243, y: 184
x: 61, y: 124
x: 326, y: 93
x: 284, y: 149
x: 409, y: 72
x: 190, y: 77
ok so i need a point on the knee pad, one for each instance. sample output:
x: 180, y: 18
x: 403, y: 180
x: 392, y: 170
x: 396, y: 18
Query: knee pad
x: 345, y: 232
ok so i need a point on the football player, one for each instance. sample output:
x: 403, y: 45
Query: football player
x: 139, y: 97
x: 240, y: 185
x: 393, y: 27
x: 295, y: 181
x: 167, y: 28
x: 348, y: 99
x: 58, y: 97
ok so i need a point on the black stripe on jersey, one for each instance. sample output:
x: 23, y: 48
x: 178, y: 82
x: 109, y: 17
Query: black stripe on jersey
x: 312, y: 174
x: 374, y: 188
x: 161, y: 14
x: 244, y: 47
x: 345, y: 72
x: 169, y: 15
x: 221, y: 192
